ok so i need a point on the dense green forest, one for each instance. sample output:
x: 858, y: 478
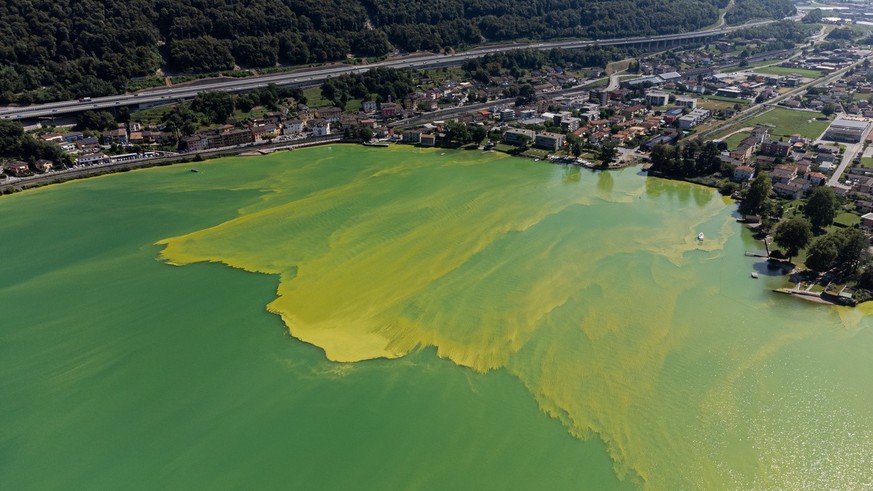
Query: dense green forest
x: 62, y: 49
x: 745, y: 10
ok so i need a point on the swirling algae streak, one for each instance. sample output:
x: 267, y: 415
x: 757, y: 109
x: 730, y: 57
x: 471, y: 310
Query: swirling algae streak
x: 504, y: 268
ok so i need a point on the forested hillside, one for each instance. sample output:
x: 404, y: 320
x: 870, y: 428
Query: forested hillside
x: 745, y: 10
x: 60, y: 49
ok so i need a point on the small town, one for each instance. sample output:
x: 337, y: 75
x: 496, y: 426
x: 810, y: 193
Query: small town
x: 793, y: 108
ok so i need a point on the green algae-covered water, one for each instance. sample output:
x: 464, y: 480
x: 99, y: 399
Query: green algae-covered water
x: 349, y: 318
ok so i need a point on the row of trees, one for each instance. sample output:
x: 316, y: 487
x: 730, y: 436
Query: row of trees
x: 687, y: 159
x: 514, y: 63
x: 380, y: 84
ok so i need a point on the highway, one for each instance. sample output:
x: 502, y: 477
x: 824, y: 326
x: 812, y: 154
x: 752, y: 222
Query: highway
x: 316, y: 76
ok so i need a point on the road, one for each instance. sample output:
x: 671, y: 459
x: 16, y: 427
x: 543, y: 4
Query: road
x: 316, y: 76
x: 852, y: 150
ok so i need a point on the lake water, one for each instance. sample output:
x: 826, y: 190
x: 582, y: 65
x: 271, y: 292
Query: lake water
x: 351, y: 318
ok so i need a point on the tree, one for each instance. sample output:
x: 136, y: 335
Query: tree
x: 813, y: 17
x: 99, y: 120
x: 217, y: 106
x: 793, y: 235
x: 663, y: 158
x: 822, y: 254
x: 853, y: 246
x: 866, y: 279
x: 828, y: 109
x: 607, y: 153
x: 758, y: 193
x: 821, y: 207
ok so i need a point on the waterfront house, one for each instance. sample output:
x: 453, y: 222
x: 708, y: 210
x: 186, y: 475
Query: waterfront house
x: 43, y: 165
x: 93, y: 159
x: 428, y: 139
x: 411, y: 136
x: 15, y: 168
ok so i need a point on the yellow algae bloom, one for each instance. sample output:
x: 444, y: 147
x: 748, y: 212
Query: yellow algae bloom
x: 592, y: 289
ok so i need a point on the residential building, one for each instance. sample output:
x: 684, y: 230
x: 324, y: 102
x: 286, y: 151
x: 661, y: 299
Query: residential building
x: 43, y: 165
x: 657, y: 98
x: 519, y: 137
x: 570, y: 124
x: 816, y: 178
x: 331, y: 114
x: 390, y: 109
x: 230, y: 137
x: 790, y: 190
x: 292, y: 127
x: 600, y: 97
x: 320, y: 128
x: 548, y: 140
x: 93, y: 159
x: 693, y: 118
x: 15, y: 168
x: 411, y: 136
x: 743, y: 152
x: 428, y: 139
x: 743, y: 173
x: 507, y: 114
x: 689, y: 102
x: 776, y: 149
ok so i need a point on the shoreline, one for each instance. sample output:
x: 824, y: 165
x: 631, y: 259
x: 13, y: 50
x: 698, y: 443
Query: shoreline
x: 43, y: 180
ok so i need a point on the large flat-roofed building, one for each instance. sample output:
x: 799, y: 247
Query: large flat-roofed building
x: 518, y: 137
x: 657, y: 98
x: 548, y: 140
x: 693, y: 118
x: 689, y: 102
x: 847, y: 130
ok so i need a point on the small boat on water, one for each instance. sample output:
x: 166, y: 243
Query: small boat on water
x: 194, y: 170
x: 754, y: 274
x: 700, y: 236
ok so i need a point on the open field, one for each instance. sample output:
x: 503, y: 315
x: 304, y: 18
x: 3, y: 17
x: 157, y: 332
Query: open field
x: 867, y: 162
x: 152, y: 115
x: 785, y: 122
x: 314, y: 99
x: 714, y: 105
x: 781, y: 70
x: 847, y: 219
x: 734, y: 140
x: 732, y: 100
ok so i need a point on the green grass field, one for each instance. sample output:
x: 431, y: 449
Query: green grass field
x: 732, y: 100
x: 785, y: 122
x: 781, y: 70
x: 152, y: 115
x: 847, y: 219
x: 714, y: 105
x: 314, y: 98
x: 734, y: 140
x: 867, y: 162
